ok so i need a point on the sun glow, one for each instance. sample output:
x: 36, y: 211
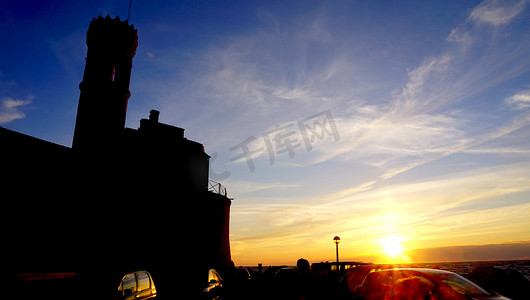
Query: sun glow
x: 392, y: 245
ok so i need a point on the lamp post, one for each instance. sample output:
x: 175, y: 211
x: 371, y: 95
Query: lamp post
x: 336, y: 239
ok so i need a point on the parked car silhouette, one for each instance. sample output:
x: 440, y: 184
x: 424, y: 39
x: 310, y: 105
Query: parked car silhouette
x: 137, y: 285
x: 412, y: 283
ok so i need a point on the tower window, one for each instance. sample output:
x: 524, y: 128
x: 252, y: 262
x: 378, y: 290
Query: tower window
x: 113, y: 76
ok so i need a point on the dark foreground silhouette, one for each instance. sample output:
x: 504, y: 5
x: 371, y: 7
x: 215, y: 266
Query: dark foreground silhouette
x: 120, y: 200
x: 282, y: 282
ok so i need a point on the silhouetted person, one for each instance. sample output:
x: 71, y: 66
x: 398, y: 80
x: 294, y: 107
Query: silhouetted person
x: 306, y: 284
x: 309, y: 285
x: 299, y: 283
x: 303, y: 266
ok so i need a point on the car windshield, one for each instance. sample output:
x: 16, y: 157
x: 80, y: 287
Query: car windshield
x: 461, y: 284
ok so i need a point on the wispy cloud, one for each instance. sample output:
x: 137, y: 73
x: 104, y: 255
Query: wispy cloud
x: 10, y: 109
x: 396, y: 144
x: 520, y: 100
x: 497, y: 13
x: 69, y: 50
x: 279, y: 72
x: 423, y: 121
x: 420, y: 122
x: 248, y: 188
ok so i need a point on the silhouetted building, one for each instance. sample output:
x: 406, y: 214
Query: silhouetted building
x: 120, y: 198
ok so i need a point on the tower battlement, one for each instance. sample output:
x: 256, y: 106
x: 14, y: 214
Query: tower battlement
x: 103, y: 32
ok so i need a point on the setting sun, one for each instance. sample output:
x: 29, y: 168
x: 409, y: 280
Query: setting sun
x: 392, y: 245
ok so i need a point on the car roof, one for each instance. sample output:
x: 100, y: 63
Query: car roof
x: 420, y: 270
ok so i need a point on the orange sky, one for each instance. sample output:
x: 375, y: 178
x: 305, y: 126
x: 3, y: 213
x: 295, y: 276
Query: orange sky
x: 462, y: 209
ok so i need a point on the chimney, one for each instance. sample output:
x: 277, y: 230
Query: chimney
x: 153, y: 116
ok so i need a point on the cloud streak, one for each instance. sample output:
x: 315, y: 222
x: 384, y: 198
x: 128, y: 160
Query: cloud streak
x: 497, y: 13
x: 520, y: 100
x: 10, y: 109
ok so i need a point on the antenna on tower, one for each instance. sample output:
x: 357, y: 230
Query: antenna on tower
x: 129, y: 13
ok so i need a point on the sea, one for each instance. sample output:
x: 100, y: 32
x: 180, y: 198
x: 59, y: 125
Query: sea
x: 466, y: 267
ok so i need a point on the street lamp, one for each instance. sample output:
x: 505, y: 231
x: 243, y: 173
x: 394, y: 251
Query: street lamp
x: 336, y: 239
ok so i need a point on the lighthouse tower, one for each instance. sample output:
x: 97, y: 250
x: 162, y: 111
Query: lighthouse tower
x: 105, y: 87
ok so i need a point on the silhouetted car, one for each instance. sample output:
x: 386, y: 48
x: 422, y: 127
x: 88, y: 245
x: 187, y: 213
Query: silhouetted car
x: 137, y: 285
x: 285, y: 273
x: 214, y: 287
x: 412, y: 283
x: 243, y: 274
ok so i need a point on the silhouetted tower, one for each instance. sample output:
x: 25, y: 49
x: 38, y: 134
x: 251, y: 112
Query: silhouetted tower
x: 105, y: 87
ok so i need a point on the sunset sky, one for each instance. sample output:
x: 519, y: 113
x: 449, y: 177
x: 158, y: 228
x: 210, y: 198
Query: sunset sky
x: 404, y: 122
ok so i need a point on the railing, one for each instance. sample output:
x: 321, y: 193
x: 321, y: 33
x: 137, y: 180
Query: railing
x: 216, y: 187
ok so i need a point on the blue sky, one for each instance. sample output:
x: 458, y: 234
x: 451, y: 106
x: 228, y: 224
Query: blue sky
x: 417, y: 113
